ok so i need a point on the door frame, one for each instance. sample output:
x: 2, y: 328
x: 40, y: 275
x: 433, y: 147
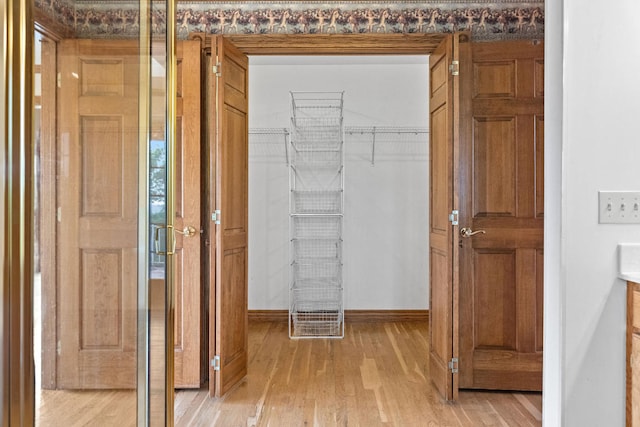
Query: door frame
x: 334, y: 44
x: 284, y: 44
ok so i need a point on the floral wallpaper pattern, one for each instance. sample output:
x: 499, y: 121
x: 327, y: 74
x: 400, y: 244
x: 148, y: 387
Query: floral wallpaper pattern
x: 486, y: 20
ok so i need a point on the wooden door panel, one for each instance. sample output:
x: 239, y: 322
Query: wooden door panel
x: 98, y: 199
x: 228, y: 91
x: 539, y: 299
x: 439, y: 202
x: 527, y: 304
x: 102, y: 150
x: 539, y: 183
x: 97, y: 215
x: 101, y: 293
x: 501, y: 271
x: 234, y: 356
x: 187, y: 282
x: 526, y: 175
x: 495, y: 306
x: 494, y: 79
x: 494, y: 166
x: 440, y: 329
x: 539, y: 78
x: 235, y: 177
x: 507, y: 370
x: 441, y: 307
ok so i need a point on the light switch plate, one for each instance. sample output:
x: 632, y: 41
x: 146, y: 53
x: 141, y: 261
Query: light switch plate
x: 619, y: 207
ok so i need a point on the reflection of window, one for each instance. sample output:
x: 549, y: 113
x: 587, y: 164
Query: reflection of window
x: 157, y: 182
x: 157, y: 206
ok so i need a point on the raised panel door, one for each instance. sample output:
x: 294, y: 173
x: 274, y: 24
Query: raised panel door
x: 97, y: 215
x: 441, y: 202
x: 228, y: 91
x: 501, y: 266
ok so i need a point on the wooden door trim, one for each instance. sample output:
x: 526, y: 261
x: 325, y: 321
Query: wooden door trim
x: 462, y: 129
x: 48, y: 196
x: 334, y: 44
x: 461, y: 54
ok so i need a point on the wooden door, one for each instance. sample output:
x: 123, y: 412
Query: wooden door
x: 229, y: 174
x: 442, y: 253
x: 501, y: 270
x: 187, y: 281
x: 98, y: 212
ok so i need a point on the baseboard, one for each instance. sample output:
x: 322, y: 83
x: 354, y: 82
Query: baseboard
x: 268, y: 315
x: 363, y: 316
x: 360, y: 316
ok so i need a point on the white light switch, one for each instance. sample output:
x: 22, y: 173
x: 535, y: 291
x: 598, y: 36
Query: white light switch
x: 619, y: 207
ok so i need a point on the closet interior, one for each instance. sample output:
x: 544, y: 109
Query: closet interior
x: 383, y: 234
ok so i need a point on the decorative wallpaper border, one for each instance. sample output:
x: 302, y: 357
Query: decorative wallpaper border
x: 486, y: 20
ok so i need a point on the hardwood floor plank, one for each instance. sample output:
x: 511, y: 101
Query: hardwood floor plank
x: 378, y: 375
x: 531, y: 402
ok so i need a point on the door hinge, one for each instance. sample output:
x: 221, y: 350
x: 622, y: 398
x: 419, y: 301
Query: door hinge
x: 59, y: 214
x: 453, y: 365
x: 215, y: 363
x: 217, y: 69
x: 59, y: 80
x: 215, y: 216
x: 453, y: 217
x: 454, y: 68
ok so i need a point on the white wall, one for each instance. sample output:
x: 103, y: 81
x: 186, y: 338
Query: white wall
x: 386, y: 204
x: 598, y: 139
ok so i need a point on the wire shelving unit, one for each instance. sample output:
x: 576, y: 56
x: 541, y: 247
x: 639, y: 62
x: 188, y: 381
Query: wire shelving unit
x: 316, y: 207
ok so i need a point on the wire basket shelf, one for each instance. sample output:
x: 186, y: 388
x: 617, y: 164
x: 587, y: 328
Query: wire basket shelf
x: 317, y: 202
x: 317, y: 104
x: 317, y: 325
x: 318, y: 249
x: 316, y: 227
x: 321, y: 159
x: 314, y: 135
x: 316, y: 282
x: 321, y: 271
x: 316, y: 312
x: 316, y: 179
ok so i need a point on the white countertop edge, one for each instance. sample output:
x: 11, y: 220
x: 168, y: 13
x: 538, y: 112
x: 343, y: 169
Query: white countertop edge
x: 630, y: 277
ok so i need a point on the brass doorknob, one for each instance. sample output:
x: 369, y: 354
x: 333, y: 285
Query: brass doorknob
x: 467, y: 232
x: 188, y: 231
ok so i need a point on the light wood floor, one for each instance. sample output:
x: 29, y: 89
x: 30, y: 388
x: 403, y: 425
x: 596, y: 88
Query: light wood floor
x: 376, y: 376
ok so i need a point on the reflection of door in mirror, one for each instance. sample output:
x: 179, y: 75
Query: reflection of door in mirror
x: 98, y: 213
x: 87, y: 219
x: 189, y: 314
x: 44, y: 211
x: 86, y: 225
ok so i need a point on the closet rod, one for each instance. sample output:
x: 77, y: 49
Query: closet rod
x: 274, y: 131
x: 361, y: 130
x: 385, y: 130
x: 375, y: 130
